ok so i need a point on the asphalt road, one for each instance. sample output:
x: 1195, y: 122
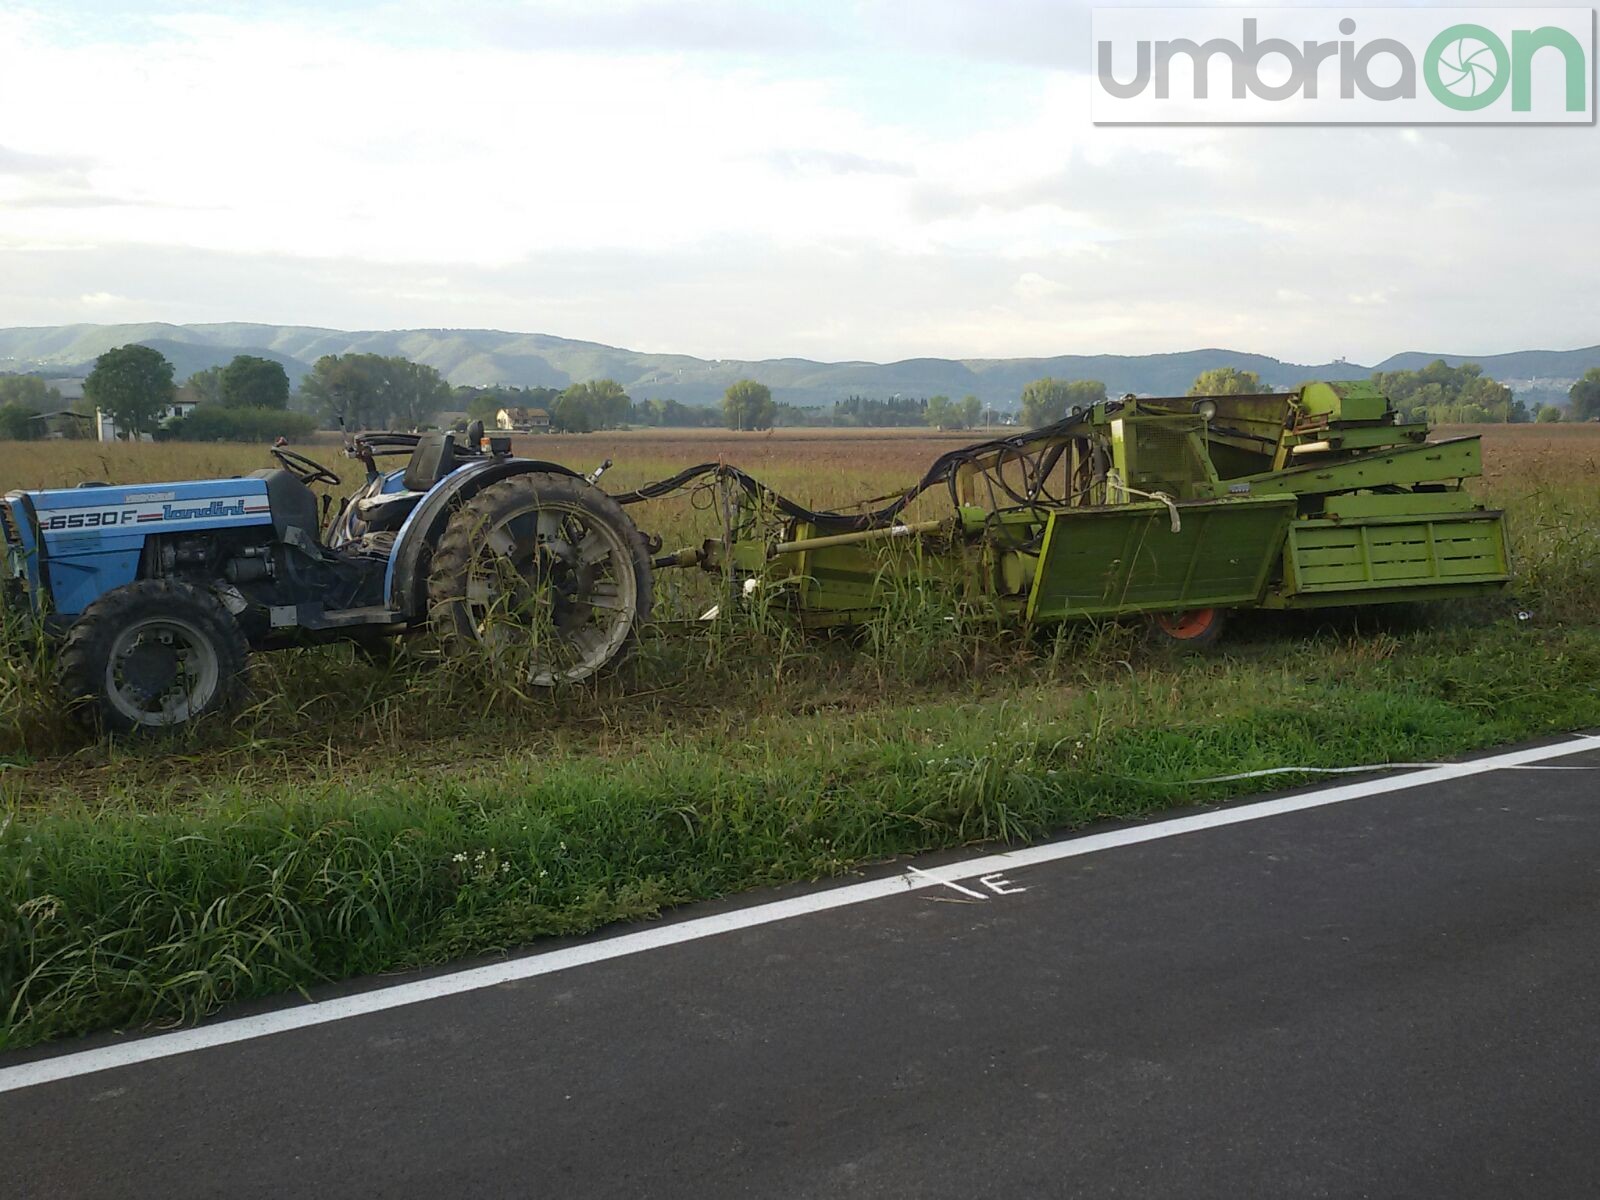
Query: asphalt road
x: 1395, y: 995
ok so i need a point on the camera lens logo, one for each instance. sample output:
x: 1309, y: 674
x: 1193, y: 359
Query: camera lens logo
x: 1466, y: 68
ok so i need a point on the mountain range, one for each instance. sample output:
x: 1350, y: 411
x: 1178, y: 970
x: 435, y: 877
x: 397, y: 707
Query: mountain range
x: 482, y: 357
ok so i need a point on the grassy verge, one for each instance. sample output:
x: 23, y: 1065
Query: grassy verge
x: 114, y: 912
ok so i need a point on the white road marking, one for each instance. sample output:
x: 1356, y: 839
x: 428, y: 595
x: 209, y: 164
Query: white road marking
x: 1362, y: 770
x: 1000, y: 885
x: 954, y: 887
x: 602, y: 949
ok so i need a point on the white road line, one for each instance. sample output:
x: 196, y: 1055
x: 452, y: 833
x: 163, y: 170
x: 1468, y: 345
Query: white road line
x: 320, y: 1012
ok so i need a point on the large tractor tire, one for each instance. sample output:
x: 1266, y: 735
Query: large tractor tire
x: 153, y: 655
x: 543, y: 572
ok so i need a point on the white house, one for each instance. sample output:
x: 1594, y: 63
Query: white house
x: 108, y: 427
x: 523, y: 420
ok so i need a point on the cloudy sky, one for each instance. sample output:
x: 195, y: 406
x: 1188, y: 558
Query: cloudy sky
x: 863, y: 179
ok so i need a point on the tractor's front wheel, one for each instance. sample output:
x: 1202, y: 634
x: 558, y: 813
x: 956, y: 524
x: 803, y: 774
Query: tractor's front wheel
x: 151, y: 655
x: 545, y: 573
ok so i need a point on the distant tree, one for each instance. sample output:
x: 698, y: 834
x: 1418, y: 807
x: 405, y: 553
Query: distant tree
x: 251, y: 382
x: 945, y: 413
x: 571, y: 414
x: 415, y: 391
x: 1548, y: 414
x: 206, y: 385
x: 671, y: 413
x: 371, y: 391
x: 1226, y: 381
x: 30, y: 391
x: 867, y: 411
x: 132, y: 384
x: 1441, y: 393
x: 748, y: 405
x: 1585, y: 396
x: 1046, y: 400
x: 484, y: 406
x: 17, y: 423
x: 596, y: 404
x: 344, y: 388
x: 609, y: 402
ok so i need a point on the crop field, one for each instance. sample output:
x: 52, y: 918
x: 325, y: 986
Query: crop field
x: 369, y: 814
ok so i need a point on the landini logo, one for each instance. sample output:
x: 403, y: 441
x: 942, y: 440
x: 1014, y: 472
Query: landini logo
x: 1408, y: 66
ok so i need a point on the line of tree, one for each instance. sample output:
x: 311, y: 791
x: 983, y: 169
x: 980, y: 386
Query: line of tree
x: 133, y: 384
x: 583, y: 407
x: 673, y: 414
x: 1438, y: 393
x: 374, y: 391
x: 1443, y: 394
x: 945, y: 413
x: 222, y: 423
x: 871, y: 411
x: 246, y: 382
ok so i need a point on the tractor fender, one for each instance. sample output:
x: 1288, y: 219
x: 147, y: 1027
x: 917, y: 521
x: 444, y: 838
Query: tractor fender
x: 406, y: 580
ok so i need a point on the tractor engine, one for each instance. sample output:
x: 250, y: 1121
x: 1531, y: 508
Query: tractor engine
x: 278, y: 566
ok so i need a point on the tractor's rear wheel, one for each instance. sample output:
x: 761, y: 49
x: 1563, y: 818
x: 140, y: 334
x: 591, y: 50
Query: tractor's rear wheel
x: 1194, y: 629
x: 152, y: 655
x: 544, y: 572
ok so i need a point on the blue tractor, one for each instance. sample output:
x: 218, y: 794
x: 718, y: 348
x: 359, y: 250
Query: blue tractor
x: 160, y: 591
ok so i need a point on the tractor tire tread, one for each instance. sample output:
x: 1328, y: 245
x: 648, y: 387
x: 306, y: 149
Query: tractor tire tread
x: 454, y: 553
x: 84, y: 653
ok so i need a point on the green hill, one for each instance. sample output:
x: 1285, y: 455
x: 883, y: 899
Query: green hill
x: 488, y: 356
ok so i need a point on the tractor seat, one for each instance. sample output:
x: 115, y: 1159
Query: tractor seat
x: 387, y: 511
x: 294, y: 505
x: 431, y: 461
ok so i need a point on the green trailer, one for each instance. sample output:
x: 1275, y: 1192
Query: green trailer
x: 1182, y: 508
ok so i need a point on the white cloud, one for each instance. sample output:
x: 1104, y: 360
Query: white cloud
x: 861, y: 183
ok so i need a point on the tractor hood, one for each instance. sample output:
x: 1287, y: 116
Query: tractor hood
x: 92, y: 536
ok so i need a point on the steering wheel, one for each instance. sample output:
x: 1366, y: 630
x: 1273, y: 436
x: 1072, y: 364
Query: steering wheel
x: 304, y: 469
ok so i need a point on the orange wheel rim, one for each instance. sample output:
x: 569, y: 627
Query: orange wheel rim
x: 1187, y: 625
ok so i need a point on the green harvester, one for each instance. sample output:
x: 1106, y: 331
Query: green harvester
x: 1181, y: 508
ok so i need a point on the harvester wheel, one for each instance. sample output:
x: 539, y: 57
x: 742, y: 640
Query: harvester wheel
x: 151, y: 655
x: 544, y: 572
x: 1194, y: 629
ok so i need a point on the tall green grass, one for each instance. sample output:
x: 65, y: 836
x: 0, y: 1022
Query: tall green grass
x: 122, y: 913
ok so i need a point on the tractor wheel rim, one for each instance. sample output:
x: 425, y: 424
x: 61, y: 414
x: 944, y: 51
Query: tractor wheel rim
x: 1186, y: 625
x: 556, y: 585
x: 161, y: 671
